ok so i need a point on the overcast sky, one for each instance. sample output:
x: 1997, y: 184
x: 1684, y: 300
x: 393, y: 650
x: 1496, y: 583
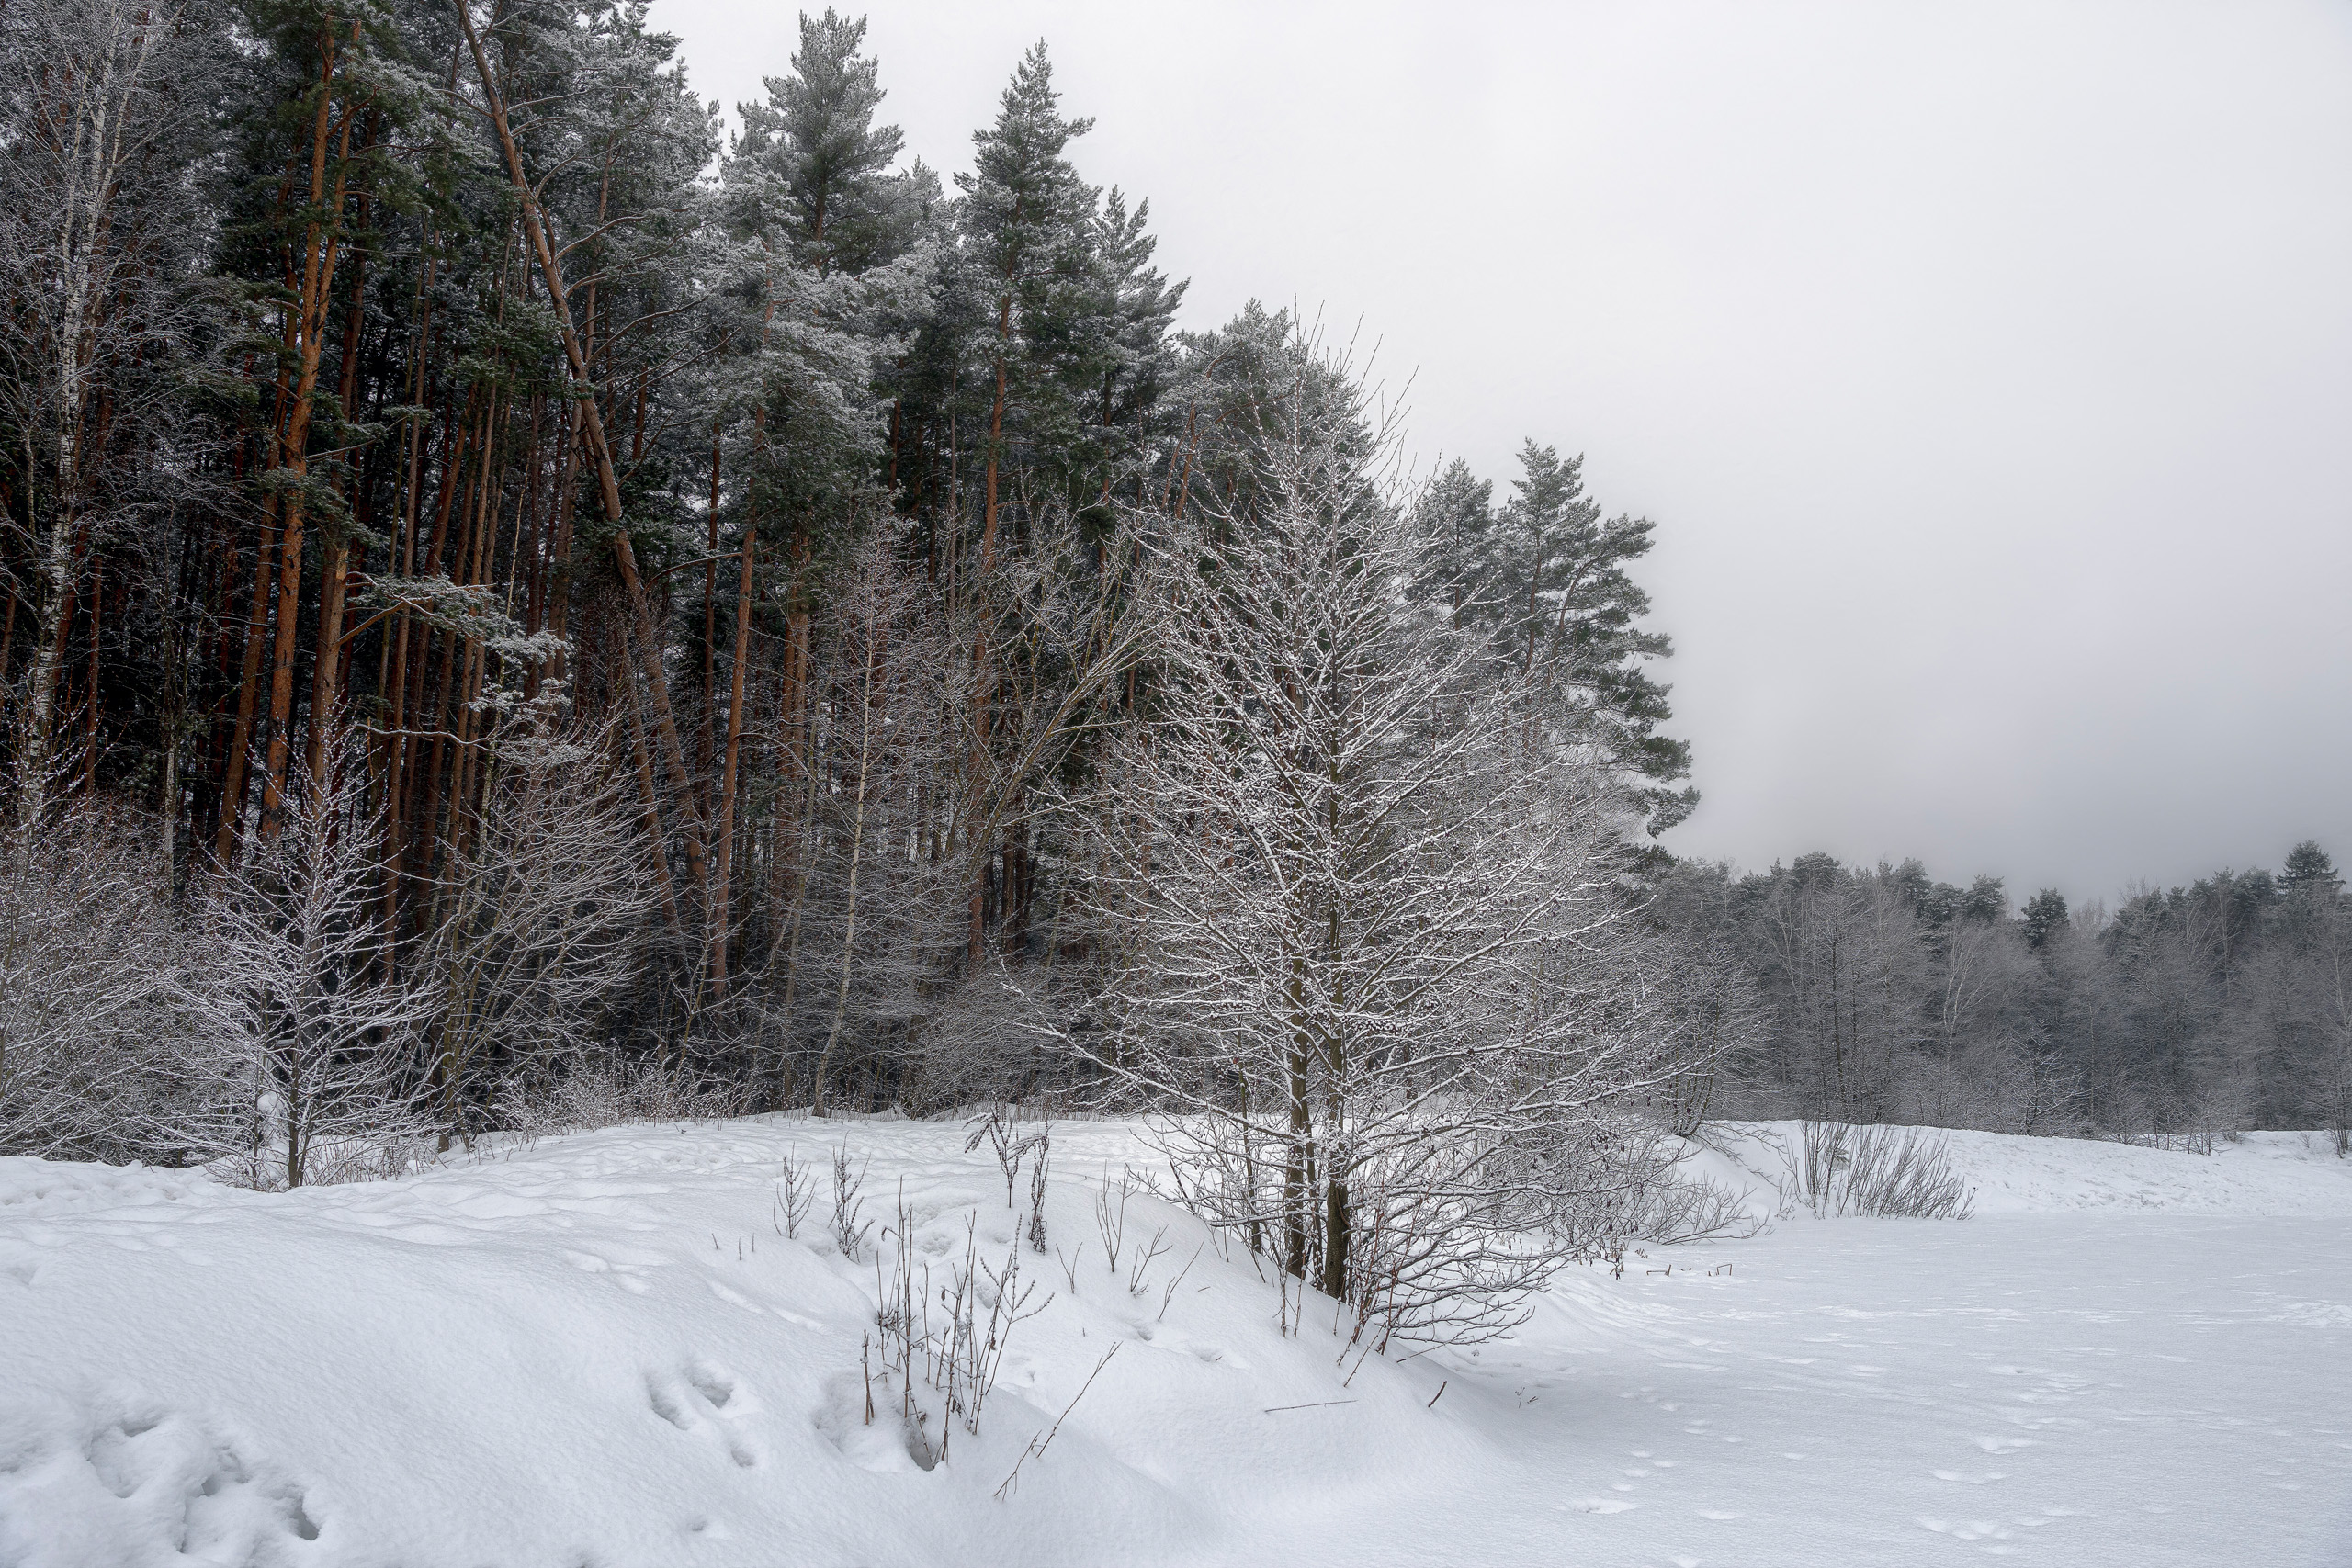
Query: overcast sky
x: 1987, y: 368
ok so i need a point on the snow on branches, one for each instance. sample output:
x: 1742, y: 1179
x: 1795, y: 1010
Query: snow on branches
x: 1361, y: 881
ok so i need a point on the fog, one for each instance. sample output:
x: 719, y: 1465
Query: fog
x: 1987, y: 368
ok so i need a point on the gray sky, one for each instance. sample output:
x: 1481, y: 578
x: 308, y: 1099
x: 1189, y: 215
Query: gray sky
x: 1987, y: 368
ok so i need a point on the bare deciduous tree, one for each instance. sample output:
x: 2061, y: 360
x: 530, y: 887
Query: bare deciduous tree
x: 98, y: 240
x: 1358, y: 884
x: 92, y: 967
x: 293, y: 987
x: 542, y: 914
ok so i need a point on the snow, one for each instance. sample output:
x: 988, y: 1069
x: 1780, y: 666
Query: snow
x: 598, y: 1350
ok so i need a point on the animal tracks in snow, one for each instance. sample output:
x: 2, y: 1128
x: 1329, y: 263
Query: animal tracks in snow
x: 127, y: 1480
x: 703, y: 1399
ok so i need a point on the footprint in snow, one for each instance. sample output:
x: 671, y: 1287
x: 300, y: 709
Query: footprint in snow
x: 162, y: 1474
x: 1966, y: 1529
x: 704, y: 1395
x: 623, y: 1275
x: 1601, y: 1506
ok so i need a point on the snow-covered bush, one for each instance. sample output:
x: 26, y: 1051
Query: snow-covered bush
x: 296, y: 999
x: 587, y: 1090
x: 1876, y: 1172
x: 95, y: 1059
x: 1637, y: 1187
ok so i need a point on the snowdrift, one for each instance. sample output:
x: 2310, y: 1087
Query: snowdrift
x: 602, y: 1351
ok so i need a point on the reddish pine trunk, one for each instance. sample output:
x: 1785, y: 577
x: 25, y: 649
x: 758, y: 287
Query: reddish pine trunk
x: 722, y: 881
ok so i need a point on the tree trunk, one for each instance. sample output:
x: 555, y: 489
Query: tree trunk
x: 241, y: 737
x: 722, y: 881
x: 535, y: 223
x: 321, y: 243
x: 327, y: 683
x: 856, y: 846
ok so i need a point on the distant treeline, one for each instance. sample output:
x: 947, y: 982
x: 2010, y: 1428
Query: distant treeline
x: 1881, y: 995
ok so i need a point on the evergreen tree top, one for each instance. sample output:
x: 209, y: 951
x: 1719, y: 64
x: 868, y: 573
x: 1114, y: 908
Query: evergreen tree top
x: 816, y: 144
x: 2308, y: 865
x: 1022, y: 189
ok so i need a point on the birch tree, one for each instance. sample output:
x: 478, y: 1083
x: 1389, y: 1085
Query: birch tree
x: 99, y: 229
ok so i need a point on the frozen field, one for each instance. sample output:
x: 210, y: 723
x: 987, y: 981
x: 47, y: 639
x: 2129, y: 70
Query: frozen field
x: 599, y: 1352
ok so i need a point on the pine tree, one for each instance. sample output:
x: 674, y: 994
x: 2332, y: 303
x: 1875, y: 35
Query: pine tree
x: 2045, y: 913
x: 825, y: 161
x: 1458, y: 515
x: 831, y: 267
x: 1125, y: 349
x: 1551, y: 583
x: 1026, y: 218
x: 2309, y: 866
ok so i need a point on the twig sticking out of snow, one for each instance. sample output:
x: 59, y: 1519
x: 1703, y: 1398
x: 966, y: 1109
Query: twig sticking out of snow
x: 1037, y: 1171
x: 1139, y: 1271
x: 1112, y: 1222
x: 1169, y: 1295
x: 995, y: 1129
x: 849, y: 1232
x: 795, y: 1191
x: 1037, y: 1446
x: 962, y: 1357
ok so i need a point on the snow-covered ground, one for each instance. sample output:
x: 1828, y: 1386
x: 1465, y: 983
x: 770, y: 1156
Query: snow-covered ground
x: 600, y: 1352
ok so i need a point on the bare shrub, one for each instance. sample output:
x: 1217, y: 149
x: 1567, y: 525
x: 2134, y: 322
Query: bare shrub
x: 796, y: 1193
x: 535, y: 923
x: 996, y: 1130
x: 1110, y: 1220
x: 1040, y: 1171
x: 848, y: 1229
x: 98, y: 1057
x: 1875, y: 1172
x: 1141, y: 1258
x: 1636, y: 1189
x: 976, y: 1046
x: 292, y: 986
x: 581, y: 1093
x: 961, y: 1353
x: 1701, y: 1210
